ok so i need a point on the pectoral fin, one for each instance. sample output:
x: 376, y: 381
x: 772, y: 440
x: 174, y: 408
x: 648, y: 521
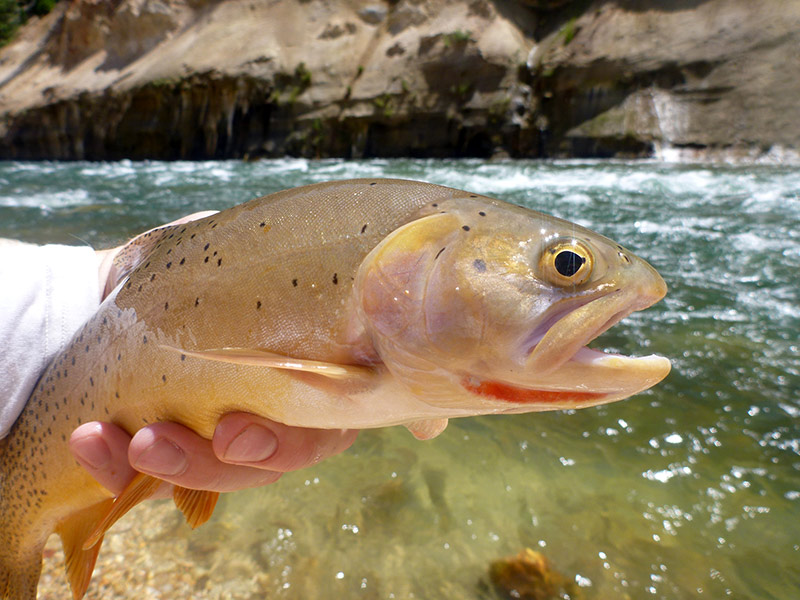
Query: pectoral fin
x: 427, y: 429
x: 261, y: 358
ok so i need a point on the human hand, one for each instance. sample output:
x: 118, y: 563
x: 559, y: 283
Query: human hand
x: 246, y: 451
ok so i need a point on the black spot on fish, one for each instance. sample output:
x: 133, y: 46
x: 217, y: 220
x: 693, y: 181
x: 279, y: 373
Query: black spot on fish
x: 206, y: 259
x: 481, y: 213
x: 363, y: 229
x: 144, y: 339
x: 152, y: 277
x: 435, y: 205
x: 169, y: 251
x: 374, y: 183
x: 258, y: 304
x: 215, y: 253
x: 335, y: 279
x: 105, y: 368
x: 191, y: 237
x: 183, y: 357
x: 140, y: 288
x: 169, y: 264
x: 147, y: 265
x: 438, y: 253
x: 465, y: 228
x: 105, y: 320
x: 206, y: 247
x: 262, y: 224
x: 164, y: 378
x: 196, y: 301
x: 87, y: 347
x: 219, y: 262
x: 166, y: 305
x: 479, y: 265
x: 473, y: 196
x: 294, y: 283
x: 119, y: 356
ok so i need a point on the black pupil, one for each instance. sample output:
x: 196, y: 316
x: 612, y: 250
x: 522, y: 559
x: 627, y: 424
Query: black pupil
x: 568, y: 263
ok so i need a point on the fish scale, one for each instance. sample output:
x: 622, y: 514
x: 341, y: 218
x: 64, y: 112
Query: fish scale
x: 355, y: 304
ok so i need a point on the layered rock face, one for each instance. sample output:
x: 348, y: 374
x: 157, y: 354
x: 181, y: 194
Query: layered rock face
x: 192, y: 79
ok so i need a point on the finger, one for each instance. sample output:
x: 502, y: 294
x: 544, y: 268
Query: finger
x: 245, y: 439
x: 102, y: 449
x: 176, y: 454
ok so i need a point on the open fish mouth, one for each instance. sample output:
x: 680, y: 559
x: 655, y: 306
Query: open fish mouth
x: 560, y: 371
x: 564, y: 339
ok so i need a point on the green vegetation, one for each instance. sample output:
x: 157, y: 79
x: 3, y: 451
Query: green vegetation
x: 289, y: 86
x: 456, y: 37
x: 303, y: 75
x: 14, y: 13
x: 569, y: 30
x: 461, y: 89
x: 498, y: 110
x: 384, y: 103
x: 11, y: 17
x: 42, y: 7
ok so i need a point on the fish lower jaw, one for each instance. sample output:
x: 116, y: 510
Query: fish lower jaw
x: 589, y: 378
x: 607, y: 360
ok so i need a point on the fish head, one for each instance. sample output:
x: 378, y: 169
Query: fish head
x: 500, y: 302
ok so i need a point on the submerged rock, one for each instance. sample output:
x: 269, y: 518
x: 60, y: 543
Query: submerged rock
x: 530, y: 576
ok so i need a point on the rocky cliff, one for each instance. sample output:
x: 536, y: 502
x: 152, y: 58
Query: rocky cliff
x: 170, y: 79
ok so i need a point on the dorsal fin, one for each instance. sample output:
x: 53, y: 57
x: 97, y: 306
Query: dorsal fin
x: 132, y: 254
x: 73, y: 532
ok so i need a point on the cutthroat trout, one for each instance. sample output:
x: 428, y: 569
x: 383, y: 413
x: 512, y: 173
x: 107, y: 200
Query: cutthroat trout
x: 353, y: 304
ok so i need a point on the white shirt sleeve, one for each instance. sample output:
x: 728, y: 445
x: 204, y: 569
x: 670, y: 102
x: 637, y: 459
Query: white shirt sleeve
x: 46, y: 294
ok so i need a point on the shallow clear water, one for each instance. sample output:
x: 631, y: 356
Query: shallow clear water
x: 689, y: 490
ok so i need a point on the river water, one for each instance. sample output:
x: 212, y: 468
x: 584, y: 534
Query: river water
x: 690, y: 490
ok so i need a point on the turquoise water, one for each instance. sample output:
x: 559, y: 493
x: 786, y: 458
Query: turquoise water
x: 689, y: 490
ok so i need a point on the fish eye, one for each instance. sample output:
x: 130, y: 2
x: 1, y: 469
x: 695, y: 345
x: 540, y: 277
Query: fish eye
x: 566, y: 262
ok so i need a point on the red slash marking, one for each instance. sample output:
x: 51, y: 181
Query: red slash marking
x: 509, y: 393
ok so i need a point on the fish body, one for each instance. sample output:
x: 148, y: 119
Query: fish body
x: 354, y: 304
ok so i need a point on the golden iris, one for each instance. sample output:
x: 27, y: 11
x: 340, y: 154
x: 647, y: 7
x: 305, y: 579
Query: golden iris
x: 566, y: 263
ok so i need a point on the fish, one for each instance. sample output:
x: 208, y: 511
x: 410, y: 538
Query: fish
x: 349, y: 304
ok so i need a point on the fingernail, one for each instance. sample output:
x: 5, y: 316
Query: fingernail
x: 92, y: 450
x: 161, y: 458
x: 253, y: 444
